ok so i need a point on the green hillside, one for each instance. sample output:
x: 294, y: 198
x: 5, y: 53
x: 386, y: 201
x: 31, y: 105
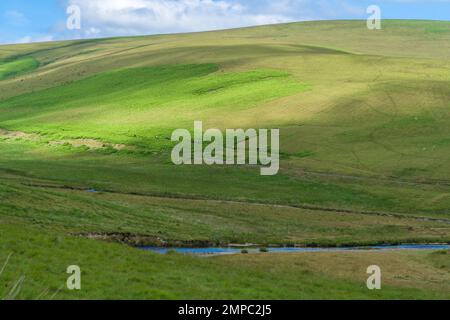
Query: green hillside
x: 364, y: 119
x: 119, y: 105
x: 16, y: 67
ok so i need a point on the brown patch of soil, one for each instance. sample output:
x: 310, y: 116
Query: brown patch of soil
x: 89, y: 143
x: 18, y: 135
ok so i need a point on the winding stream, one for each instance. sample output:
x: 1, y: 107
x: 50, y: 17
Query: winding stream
x: 226, y: 250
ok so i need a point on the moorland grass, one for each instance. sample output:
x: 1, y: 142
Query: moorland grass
x: 41, y: 257
x: 121, y: 105
x: 150, y: 175
x: 364, y: 127
x: 17, y: 67
x: 215, y: 222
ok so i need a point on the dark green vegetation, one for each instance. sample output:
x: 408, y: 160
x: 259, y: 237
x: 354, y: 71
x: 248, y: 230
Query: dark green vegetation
x: 364, y: 121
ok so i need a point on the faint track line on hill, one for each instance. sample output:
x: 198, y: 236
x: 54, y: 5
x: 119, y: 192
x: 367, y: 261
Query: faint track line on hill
x: 393, y: 180
x: 249, y: 202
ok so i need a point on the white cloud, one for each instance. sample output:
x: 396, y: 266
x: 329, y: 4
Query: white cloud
x: 29, y: 39
x: 130, y: 17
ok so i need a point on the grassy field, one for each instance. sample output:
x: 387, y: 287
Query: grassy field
x: 364, y: 124
x: 41, y: 257
x: 16, y: 67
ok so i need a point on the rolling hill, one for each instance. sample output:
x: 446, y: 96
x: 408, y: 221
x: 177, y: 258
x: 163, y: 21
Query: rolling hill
x: 364, y: 120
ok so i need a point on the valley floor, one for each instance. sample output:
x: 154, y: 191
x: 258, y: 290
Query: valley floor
x: 38, y: 259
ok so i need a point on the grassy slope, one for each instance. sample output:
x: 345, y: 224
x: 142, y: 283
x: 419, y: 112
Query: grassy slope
x: 345, y: 99
x: 205, y: 221
x: 42, y: 256
x: 17, y: 67
x: 128, y: 106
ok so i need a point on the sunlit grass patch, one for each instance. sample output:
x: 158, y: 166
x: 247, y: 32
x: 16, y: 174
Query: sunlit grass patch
x: 122, y: 105
x: 15, y: 67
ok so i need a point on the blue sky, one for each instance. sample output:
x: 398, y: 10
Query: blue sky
x: 24, y: 21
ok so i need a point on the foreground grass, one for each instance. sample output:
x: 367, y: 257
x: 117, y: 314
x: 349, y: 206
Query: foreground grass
x: 42, y: 256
